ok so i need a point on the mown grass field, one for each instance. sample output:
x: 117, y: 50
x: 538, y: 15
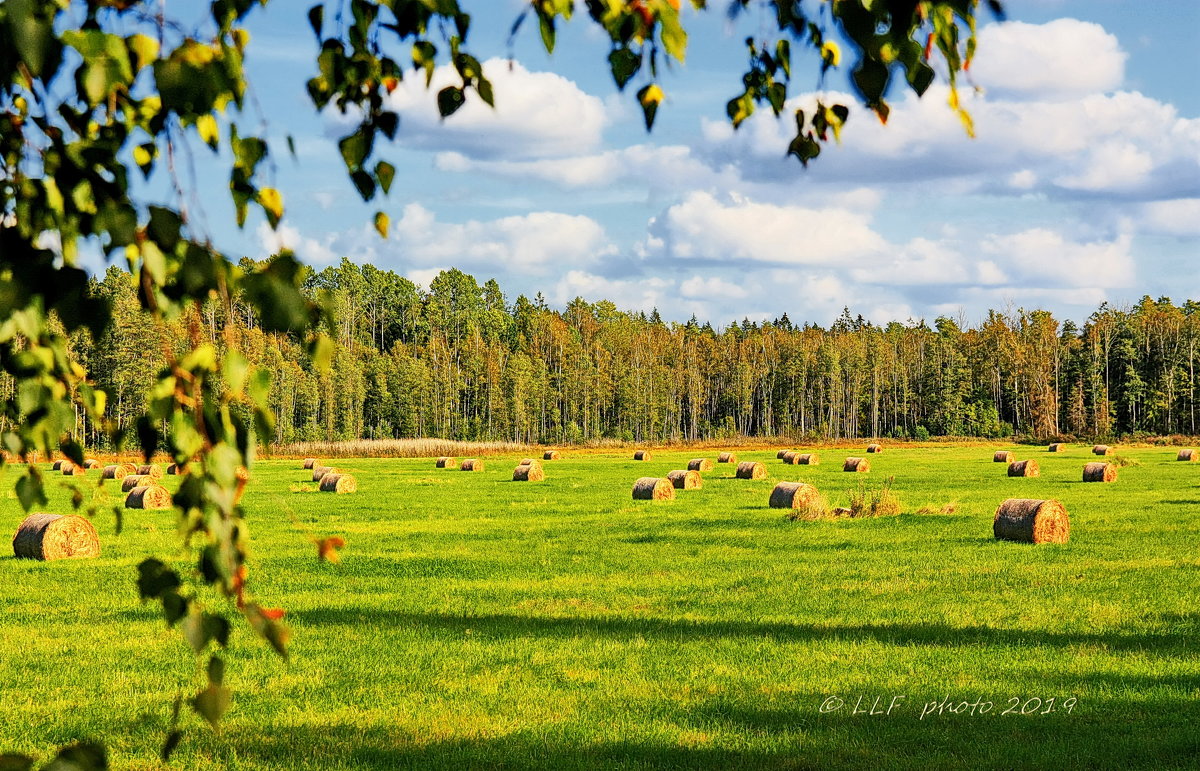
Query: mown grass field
x: 479, y: 623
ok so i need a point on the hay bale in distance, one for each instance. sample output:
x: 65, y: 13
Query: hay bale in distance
x: 446, y: 462
x: 793, y: 495
x: 69, y: 469
x: 148, y: 497
x: 807, y: 459
x: 551, y: 455
x: 136, y: 480
x: 471, y: 464
x: 787, y: 456
x: 688, y: 479
x: 1002, y: 456
x: 55, y: 537
x: 749, y: 469
x: 700, y: 464
x: 173, y: 470
x: 857, y: 465
x: 339, y: 483
x: 527, y: 461
x: 91, y: 463
x: 529, y: 472
x: 1100, y: 472
x: 1188, y: 455
x: 642, y: 455
x: 150, y: 469
x: 726, y: 457
x: 1031, y: 521
x: 118, y: 471
x: 1024, y: 468
x: 309, y: 463
x: 1102, y: 449
x: 874, y: 448
x: 779, y: 455
x: 57, y: 465
x: 320, y: 471
x: 653, y: 489
x: 1057, y: 447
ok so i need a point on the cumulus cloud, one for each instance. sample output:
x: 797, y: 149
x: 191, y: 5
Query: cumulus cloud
x: 656, y: 166
x: 1180, y: 217
x: 316, y: 252
x: 1062, y: 58
x: 537, y: 115
x: 1044, y: 258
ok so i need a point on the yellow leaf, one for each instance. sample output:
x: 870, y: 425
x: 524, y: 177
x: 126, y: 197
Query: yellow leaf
x: 240, y: 38
x: 652, y: 95
x: 206, y: 126
x: 381, y: 224
x: 141, y: 156
x: 831, y: 53
x: 272, y: 203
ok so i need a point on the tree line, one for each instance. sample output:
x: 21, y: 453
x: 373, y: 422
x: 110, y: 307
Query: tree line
x: 460, y: 361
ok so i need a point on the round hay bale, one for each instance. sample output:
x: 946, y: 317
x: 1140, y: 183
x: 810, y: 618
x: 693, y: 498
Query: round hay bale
x: 471, y: 464
x: 1188, y: 455
x: 749, y: 469
x: 1057, y: 447
x: 91, y: 463
x: 642, y: 455
x: 1002, y: 456
x: 309, y: 463
x: 550, y: 455
x: 320, y: 471
x: 858, y: 465
x: 874, y: 448
x: 69, y: 469
x: 1102, y: 449
x: 118, y: 471
x: 55, y: 537
x: 136, y: 480
x: 807, y: 459
x: 685, y: 479
x: 653, y: 489
x: 529, y: 472
x: 1100, y: 472
x: 700, y: 464
x: 150, y: 469
x: 1024, y: 468
x: 726, y: 457
x: 787, y: 456
x: 339, y: 483
x: 527, y: 461
x: 1031, y: 521
x: 793, y: 495
x: 779, y: 455
x: 57, y: 465
x: 173, y: 470
x: 148, y: 497
x: 446, y: 462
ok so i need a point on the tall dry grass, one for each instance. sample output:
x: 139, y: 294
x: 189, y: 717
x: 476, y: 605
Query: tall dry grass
x: 397, y: 448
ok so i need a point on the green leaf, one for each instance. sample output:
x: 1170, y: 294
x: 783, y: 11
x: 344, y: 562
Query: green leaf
x: 82, y: 756
x: 276, y: 634
x: 29, y: 490
x: 234, y: 369
x: 381, y: 224
x: 321, y: 352
x: 449, y: 99
x: 212, y: 703
x: 424, y: 56
x: 155, y: 578
x: 650, y: 97
x: 216, y: 671
x: 674, y: 37
x: 316, y: 19
x: 546, y: 26
x: 624, y: 64
x: 355, y: 149
x: 783, y: 55
x: 175, y: 606
x: 385, y: 172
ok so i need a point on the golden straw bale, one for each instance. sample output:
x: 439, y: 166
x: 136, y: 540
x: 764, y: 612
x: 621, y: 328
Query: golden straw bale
x: 700, y: 464
x: 69, y: 469
x: 859, y: 465
x: 1188, y: 455
x: 151, y: 469
x: 471, y: 464
x: 148, y: 497
x: 529, y: 472
x: 137, y: 480
x: 793, y: 495
x: 551, y: 455
x: 309, y: 463
x: 91, y: 463
x: 788, y: 456
x: 685, y: 479
x: 642, y: 455
x: 806, y: 459
x: 320, y: 471
x: 1057, y: 447
x: 527, y: 461
x: 57, y: 465
x: 118, y: 471
x: 653, y: 489
x: 779, y: 455
x: 1102, y: 449
x: 1031, y: 521
x: 1002, y: 456
x: 55, y: 537
x: 874, y: 448
x: 1024, y: 468
x: 339, y: 483
x: 446, y: 462
x: 749, y: 469
x: 726, y: 457
x: 1100, y: 472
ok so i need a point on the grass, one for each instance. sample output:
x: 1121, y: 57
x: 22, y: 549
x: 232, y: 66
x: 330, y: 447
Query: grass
x: 479, y: 623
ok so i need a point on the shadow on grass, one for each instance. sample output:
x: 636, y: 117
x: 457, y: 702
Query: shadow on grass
x: 1124, y: 735
x: 907, y: 634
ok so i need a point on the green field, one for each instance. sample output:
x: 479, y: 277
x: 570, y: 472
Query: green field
x: 480, y: 623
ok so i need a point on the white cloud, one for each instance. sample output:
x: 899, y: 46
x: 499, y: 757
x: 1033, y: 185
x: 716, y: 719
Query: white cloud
x: 1061, y: 58
x: 628, y: 294
x: 700, y: 288
x: 701, y: 227
x: 1180, y: 217
x: 318, y: 253
x: 1044, y: 258
x: 537, y: 115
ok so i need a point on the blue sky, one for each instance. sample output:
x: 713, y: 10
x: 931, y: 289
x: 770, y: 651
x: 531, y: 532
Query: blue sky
x: 1082, y: 186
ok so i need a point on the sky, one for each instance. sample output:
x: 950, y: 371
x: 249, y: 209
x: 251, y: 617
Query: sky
x: 1081, y: 187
